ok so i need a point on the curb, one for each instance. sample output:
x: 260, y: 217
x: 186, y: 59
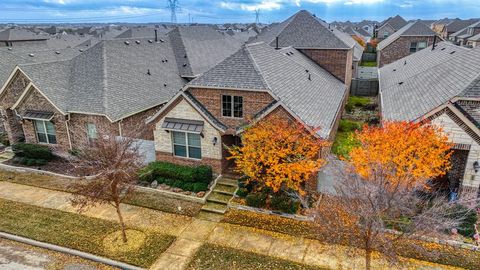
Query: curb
x: 70, y: 251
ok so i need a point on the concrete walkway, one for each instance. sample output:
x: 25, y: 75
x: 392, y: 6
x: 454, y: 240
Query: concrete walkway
x: 191, y: 233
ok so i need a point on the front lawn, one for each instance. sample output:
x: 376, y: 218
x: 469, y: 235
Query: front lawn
x: 77, y: 232
x: 216, y: 257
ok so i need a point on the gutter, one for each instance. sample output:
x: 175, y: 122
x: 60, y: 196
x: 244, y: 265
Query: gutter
x: 69, y: 251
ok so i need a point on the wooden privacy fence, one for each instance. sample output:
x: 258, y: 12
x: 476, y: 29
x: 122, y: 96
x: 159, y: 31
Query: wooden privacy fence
x: 364, y: 87
x: 369, y: 57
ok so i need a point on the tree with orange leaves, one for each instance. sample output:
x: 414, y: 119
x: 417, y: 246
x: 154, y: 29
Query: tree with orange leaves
x: 405, y: 153
x: 278, y: 153
x: 359, y: 40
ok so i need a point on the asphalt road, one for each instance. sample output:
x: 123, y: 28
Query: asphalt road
x: 17, y: 256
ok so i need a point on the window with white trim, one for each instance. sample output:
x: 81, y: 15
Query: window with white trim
x: 186, y: 145
x: 417, y: 46
x: 91, y: 131
x: 45, y: 132
x: 232, y: 106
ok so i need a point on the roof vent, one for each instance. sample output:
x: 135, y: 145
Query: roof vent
x: 127, y: 43
x: 400, y: 83
x: 306, y: 70
x: 137, y: 41
x: 394, y: 69
x: 150, y: 41
x: 185, y: 56
x: 166, y: 60
x: 10, y: 48
x: 185, y: 64
x: 452, y: 52
x: 31, y: 55
x: 309, y: 76
x: 442, y: 49
x: 80, y: 50
x: 161, y: 40
x: 165, y: 84
x: 404, y: 63
x: 148, y: 72
x: 57, y: 52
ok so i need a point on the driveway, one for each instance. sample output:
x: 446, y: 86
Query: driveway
x: 18, y: 256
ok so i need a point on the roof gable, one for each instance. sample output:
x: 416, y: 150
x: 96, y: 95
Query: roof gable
x: 416, y: 28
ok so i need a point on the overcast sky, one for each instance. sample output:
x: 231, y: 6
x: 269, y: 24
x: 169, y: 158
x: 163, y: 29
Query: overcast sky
x: 220, y: 11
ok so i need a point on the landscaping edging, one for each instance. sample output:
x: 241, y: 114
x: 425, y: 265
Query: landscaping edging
x: 70, y: 251
x: 24, y: 169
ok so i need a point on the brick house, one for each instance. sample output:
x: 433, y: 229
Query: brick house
x: 254, y: 83
x: 20, y: 36
x: 327, y: 46
x: 411, y: 38
x: 470, y: 31
x: 441, y: 86
x: 114, y: 84
x: 390, y: 26
x: 454, y: 26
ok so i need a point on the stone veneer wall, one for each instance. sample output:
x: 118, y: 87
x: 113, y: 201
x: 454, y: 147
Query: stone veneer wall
x: 211, y: 99
x: 400, y: 48
x: 471, y: 180
x: 211, y: 154
x: 337, y: 62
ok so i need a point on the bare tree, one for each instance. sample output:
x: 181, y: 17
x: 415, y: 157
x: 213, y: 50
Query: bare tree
x: 377, y: 215
x: 110, y: 164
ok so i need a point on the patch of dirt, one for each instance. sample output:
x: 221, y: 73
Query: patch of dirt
x: 114, y: 242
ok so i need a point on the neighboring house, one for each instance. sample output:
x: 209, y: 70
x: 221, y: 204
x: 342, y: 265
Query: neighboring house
x: 474, y: 41
x: 411, y: 38
x: 441, y: 86
x: 330, y: 48
x: 470, y: 31
x: 20, y: 36
x: 390, y: 26
x: 439, y: 25
x: 143, y: 32
x: 455, y: 26
x: 368, y: 26
x: 254, y: 83
x: 117, y: 83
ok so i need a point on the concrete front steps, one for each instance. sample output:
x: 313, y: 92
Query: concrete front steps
x: 218, y: 199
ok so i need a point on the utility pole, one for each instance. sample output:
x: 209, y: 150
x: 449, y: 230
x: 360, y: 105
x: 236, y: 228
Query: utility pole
x: 173, y: 5
x: 257, y: 16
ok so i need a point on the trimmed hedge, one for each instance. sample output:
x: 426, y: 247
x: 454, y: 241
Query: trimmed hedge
x: 284, y: 203
x: 33, y: 151
x: 258, y: 199
x: 194, y: 179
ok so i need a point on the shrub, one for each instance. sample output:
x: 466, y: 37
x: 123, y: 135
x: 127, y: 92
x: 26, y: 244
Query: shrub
x: 4, y: 139
x: 258, y: 199
x: 197, y: 187
x: 349, y: 126
x: 169, y: 182
x: 32, y: 151
x: 466, y: 227
x: 242, y: 192
x: 203, y: 174
x: 356, y: 102
x: 178, y: 172
x: 187, y: 186
x: 178, y: 184
x: 33, y: 162
x: 284, y: 203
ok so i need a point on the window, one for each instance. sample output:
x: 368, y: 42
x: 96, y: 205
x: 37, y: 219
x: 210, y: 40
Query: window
x: 45, y: 132
x: 186, y: 145
x: 385, y: 34
x: 232, y: 106
x: 91, y: 131
x: 417, y: 46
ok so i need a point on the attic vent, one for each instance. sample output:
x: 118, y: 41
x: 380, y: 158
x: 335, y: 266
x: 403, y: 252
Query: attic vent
x: 309, y: 76
x: 161, y: 40
x: 80, y: 50
x: 452, y: 52
x: 306, y: 70
x: 394, y: 69
x: 442, y: 49
x: 185, y: 64
x: 137, y: 41
x: 185, y: 56
x: 148, y: 72
x: 404, y: 63
x: 400, y: 83
x: 10, y: 49
x: 165, y: 84
x: 150, y: 41
x: 31, y: 55
x: 127, y: 43
x: 57, y: 52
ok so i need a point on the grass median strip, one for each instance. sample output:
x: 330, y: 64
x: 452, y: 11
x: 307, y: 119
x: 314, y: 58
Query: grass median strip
x: 215, y: 257
x: 77, y: 232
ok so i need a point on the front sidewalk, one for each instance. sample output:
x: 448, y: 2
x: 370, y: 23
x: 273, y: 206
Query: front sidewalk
x: 191, y: 233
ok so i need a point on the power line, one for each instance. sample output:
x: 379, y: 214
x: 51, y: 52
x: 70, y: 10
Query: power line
x: 81, y: 19
x: 174, y: 6
x: 257, y: 16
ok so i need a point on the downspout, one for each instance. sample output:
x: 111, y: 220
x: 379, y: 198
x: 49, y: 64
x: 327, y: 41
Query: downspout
x: 120, y: 132
x: 68, y: 131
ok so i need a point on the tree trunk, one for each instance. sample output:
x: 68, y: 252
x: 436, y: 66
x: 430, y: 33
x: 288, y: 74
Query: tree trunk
x: 122, y: 224
x: 368, y: 259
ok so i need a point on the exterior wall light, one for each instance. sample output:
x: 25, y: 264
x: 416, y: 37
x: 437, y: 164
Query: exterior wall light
x: 214, y: 140
x: 476, y: 166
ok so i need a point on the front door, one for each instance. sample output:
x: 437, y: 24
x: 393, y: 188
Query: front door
x: 228, y: 165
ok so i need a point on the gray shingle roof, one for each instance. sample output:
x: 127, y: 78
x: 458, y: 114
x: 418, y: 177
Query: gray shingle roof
x: 316, y: 101
x: 427, y: 80
x: 416, y: 28
x: 475, y: 38
x: 302, y: 30
x: 457, y: 25
x: 20, y: 34
x: 111, y: 78
x: 199, y: 48
x: 396, y: 22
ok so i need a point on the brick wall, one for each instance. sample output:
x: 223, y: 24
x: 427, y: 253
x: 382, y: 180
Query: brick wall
x: 337, y: 62
x: 385, y: 29
x: 211, y: 99
x: 399, y: 49
x: 216, y: 164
